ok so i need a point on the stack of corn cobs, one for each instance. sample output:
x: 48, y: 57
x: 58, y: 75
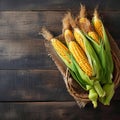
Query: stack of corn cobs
x: 86, y: 53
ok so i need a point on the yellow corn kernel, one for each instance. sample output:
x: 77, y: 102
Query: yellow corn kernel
x: 79, y: 39
x: 80, y: 57
x: 97, y: 24
x: 61, y: 49
x: 94, y: 36
x: 68, y: 35
x: 98, y: 27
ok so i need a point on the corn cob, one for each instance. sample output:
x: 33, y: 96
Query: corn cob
x: 79, y: 39
x: 102, y: 33
x: 77, y: 36
x: 86, y: 26
x: 67, y: 32
x: 68, y: 35
x: 94, y: 36
x: 80, y: 57
x: 59, y: 47
x: 97, y: 24
x: 108, y: 86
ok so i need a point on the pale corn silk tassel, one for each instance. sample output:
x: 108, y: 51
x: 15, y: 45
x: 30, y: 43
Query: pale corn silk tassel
x: 51, y: 51
x: 66, y: 30
x: 84, y: 23
x: 46, y: 34
x: 66, y: 23
x: 76, y: 30
x: 82, y: 11
x: 86, y: 26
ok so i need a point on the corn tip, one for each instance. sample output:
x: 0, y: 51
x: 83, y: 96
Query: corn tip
x: 72, y: 21
x: 95, y: 14
x: 82, y: 11
x: 68, y: 35
x: 46, y: 34
x: 66, y: 21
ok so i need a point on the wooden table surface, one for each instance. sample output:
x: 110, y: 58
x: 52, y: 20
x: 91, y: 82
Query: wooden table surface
x: 31, y: 87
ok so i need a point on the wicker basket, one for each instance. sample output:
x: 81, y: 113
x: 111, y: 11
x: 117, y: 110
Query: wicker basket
x: 72, y: 86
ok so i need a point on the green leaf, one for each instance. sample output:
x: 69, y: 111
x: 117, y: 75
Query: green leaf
x: 82, y: 74
x: 93, y: 96
x: 94, y: 59
x: 108, y: 50
x: 99, y: 89
x: 109, y: 89
x: 109, y: 60
x: 101, y: 53
x: 78, y: 79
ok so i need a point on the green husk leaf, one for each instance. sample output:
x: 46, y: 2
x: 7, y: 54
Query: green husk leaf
x: 109, y: 89
x: 82, y: 74
x: 108, y: 51
x: 101, y: 53
x: 99, y: 89
x: 93, y: 96
x: 75, y: 74
x: 92, y: 56
x: 98, y: 70
x: 99, y: 49
x: 78, y: 79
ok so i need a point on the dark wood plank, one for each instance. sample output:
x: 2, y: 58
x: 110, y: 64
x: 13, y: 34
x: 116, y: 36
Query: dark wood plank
x: 32, y: 85
x: 57, y: 4
x: 111, y: 21
x: 22, y: 48
x: 57, y: 111
x: 26, y: 25
x: 24, y: 54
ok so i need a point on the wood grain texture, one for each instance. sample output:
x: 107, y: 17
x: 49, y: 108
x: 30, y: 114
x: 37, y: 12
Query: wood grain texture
x: 57, y: 111
x: 20, y: 45
x: 22, y: 49
x: 57, y: 4
x: 35, y: 85
x: 25, y: 25
x: 32, y: 85
x: 24, y: 54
